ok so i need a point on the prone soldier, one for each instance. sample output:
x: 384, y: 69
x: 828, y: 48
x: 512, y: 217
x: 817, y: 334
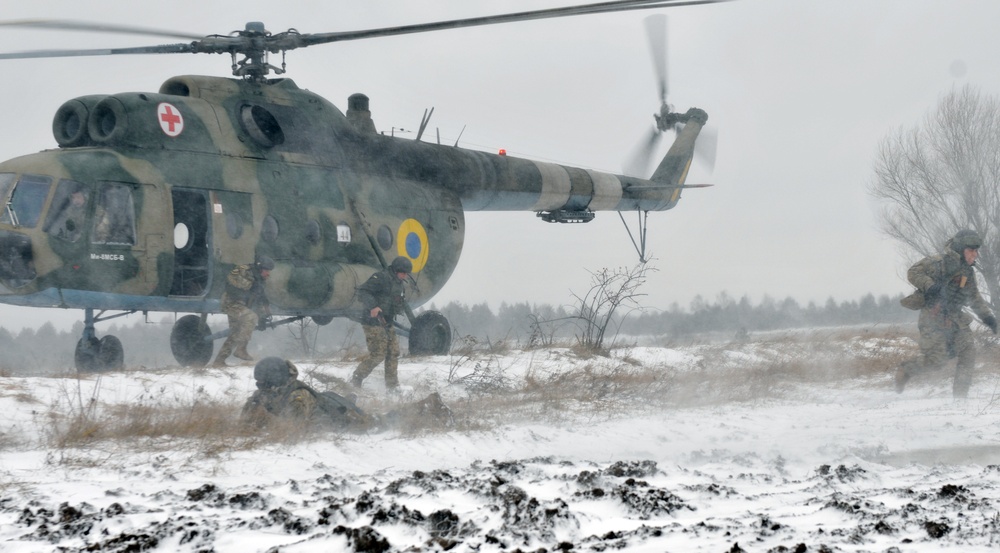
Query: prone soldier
x: 281, y: 395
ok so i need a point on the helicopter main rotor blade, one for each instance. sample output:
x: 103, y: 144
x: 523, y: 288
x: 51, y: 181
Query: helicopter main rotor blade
x: 255, y: 42
x: 67, y: 25
x: 165, y: 49
x: 656, y: 31
x: 585, y: 9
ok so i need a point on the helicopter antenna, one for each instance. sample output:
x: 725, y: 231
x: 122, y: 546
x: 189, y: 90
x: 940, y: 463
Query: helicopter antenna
x: 423, y: 123
x: 460, y: 135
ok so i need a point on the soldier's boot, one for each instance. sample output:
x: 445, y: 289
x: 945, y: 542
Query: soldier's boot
x: 363, y: 370
x: 220, y: 359
x: 903, y: 374
x: 241, y: 353
x: 356, y: 380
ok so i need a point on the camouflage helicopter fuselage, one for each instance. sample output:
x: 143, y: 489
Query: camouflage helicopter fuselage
x: 211, y: 172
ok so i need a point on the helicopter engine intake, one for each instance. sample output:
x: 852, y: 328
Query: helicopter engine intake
x: 70, y: 124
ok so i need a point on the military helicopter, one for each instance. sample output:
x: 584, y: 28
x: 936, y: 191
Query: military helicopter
x: 151, y: 199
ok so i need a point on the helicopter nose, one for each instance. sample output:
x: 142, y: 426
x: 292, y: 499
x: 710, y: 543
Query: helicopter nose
x: 17, y: 264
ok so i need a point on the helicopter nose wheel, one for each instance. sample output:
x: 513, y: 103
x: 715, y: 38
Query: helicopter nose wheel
x: 97, y: 355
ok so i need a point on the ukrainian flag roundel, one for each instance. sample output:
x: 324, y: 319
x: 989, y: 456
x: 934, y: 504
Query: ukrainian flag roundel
x: 411, y: 241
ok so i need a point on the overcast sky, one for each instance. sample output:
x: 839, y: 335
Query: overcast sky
x: 800, y: 93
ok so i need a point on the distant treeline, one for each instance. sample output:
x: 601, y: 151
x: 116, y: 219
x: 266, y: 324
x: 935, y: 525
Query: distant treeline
x: 521, y: 322
x: 147, y: 341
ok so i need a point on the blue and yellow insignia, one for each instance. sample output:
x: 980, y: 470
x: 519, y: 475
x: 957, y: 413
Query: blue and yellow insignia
x: 411, y: 241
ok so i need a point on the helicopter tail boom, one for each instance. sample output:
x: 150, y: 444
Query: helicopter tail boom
x: 501, y: 183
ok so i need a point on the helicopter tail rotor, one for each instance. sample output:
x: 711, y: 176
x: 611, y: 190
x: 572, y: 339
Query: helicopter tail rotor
x: 666, y: 119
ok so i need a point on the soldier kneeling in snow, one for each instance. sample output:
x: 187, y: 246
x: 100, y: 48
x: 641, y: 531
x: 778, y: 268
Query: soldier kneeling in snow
x: 281, y: 395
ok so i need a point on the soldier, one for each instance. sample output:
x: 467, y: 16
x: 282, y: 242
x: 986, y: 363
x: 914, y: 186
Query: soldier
x: 68, y: 222
x: 281, y: 396
x: 244, y: 303
x: 382, y: 298
x: 947, y: 284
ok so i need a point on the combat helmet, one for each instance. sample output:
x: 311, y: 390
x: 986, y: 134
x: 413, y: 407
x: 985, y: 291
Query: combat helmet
x: 264, y: 263
x: 965, y: 239
x: 401, y: 265
x: 271, y: 372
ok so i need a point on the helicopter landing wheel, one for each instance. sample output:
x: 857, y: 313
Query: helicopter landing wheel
x: 189, y: 343
x: 110, y: 353
x: 430, y: 334
x: 93, y: 355
x: 85, y: 355
x: 322, y: 320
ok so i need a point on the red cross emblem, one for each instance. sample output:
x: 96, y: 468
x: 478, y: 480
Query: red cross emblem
x: 170, y: 119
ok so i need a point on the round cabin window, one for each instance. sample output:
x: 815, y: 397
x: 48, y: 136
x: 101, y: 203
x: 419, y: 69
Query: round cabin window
x: 182, y: 236
x: 269, y: 229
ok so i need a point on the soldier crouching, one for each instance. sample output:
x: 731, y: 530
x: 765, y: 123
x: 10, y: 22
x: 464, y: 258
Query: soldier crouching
x: 281, y: 396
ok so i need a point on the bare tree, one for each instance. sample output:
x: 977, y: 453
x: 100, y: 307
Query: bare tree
x: 611, y: 290
x: 943, y: 176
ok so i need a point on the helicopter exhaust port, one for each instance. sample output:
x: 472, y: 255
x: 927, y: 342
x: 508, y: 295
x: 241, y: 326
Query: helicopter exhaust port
x: 566, y: 216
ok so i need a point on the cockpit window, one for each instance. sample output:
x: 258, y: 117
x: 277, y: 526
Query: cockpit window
x: 6, y: 182
x: 68, y: 212
x: 24, y: 207
x: 114, y: 216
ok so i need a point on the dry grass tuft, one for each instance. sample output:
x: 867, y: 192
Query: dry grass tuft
x: 209, y: 427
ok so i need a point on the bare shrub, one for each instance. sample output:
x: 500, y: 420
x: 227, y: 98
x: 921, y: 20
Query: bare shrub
x: 611, y: 291
x: 487, y: 377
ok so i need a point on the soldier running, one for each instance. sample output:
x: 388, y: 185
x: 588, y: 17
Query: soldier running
x: 382, y: 296
x: 948, y: 284
x: 244, y: 303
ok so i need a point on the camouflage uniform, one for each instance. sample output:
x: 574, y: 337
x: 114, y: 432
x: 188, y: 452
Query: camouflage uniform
x: 281, y: 396
x: 385, y: 291
x: 948, y: 283
x: 290, y: 402
x: 242, y: 301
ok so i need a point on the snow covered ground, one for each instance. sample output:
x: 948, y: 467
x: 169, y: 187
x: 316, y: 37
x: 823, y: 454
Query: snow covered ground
x: 777, y: 444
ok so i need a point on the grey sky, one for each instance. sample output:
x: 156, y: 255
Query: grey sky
x: 800, y: 92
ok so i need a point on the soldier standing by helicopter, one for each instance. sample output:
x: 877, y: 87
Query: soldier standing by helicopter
x: 382, y: 296
x: 946, y: 283
x: 244, y: 303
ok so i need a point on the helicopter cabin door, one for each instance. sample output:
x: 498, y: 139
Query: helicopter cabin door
x: 191, y: 242
x: 232, y: 218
